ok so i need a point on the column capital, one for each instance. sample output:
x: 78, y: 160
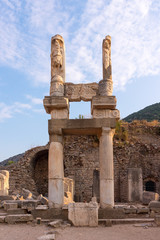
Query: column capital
x: 108, y: 130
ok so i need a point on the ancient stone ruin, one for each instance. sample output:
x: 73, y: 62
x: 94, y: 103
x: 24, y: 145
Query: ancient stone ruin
x: 102, y: 123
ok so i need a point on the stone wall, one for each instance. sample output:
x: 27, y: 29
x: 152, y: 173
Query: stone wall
x: 140, y: 150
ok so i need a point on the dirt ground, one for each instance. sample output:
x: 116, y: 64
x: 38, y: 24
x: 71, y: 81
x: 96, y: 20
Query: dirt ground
x: 116, y: 232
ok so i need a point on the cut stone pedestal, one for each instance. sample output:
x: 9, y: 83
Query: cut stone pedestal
x: 83, y: 214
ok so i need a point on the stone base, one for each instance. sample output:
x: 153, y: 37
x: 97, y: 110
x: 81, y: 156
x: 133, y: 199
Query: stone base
x: 11, y: 219
x: 83, y: 214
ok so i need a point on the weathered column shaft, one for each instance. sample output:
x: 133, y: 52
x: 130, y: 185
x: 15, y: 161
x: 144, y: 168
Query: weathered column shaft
x: 106, y: 168
x: 56, y: 174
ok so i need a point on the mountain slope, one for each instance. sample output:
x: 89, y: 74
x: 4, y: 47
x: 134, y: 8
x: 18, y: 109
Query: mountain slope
x: 149, y: 113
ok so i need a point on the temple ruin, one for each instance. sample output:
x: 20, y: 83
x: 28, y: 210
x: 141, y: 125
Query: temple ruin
x: 102, y: 124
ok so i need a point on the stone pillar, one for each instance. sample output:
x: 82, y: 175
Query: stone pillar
x: 106, y: 168
x: 4, y: 182
x: 106, y: 85
x: 56, y: 175
x: 135, y: 185
x: 57, y: 66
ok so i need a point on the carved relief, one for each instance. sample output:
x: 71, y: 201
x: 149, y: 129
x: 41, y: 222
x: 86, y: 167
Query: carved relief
x: 105, y: 88
x: 106, y: 113
x: 78, y: 92
x: 57, y: 66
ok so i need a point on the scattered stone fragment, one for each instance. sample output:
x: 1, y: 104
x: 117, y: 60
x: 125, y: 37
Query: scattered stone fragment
x: 57, y: 223
x: 149, y: 196
x: 2, y: 219
x: 42, y: 207
x: 157, y: 220
x: 47, y: 237
x: 42, y: 199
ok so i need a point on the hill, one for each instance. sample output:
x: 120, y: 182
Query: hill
x: 149, y: 113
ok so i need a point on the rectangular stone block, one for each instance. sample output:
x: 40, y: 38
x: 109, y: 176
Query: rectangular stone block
x: 83, y: 214
x: 157, y: 220
x: 9, y: 206
x: 2, y: 219
x: 11, y: 219
x: 29, y: 204
x: 149, y: 196
x: 103, y: 102
x: 135, y: 184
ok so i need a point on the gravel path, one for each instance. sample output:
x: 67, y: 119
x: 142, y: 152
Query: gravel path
x: 117, y: 232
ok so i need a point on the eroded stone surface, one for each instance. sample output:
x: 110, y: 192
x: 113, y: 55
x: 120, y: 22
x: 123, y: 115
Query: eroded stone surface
x: 78, y: 92
x: 83, y: 214
x: 149, y: 196
x: 4, y: 182
x: 135, y: 184
x: 18, y: 218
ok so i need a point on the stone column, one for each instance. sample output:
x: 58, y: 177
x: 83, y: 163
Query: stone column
x: 56, y: 174
x: 106, y: 85
x: 106, y: 168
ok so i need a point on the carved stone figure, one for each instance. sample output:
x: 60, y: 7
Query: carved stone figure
x: 106, y: 85
x: 57, y: 66
x: 107, y: 65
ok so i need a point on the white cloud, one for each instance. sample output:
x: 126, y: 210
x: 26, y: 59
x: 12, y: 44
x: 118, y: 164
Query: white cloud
x: 35, y: 100
x: 133, y: 25
x: 8, y: 111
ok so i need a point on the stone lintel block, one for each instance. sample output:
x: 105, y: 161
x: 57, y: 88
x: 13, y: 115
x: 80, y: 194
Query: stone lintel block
x: 8, y: 206
x: 80, y: 126
x: 83, y: 214
x: 55, y: 102
x: 78, y: 92
x: 103, y: 102
x: 11, y: 219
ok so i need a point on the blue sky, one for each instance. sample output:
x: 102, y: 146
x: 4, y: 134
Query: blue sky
x: 26, y: 28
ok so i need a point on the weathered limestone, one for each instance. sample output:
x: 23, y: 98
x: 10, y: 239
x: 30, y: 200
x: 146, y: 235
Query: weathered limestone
x: 11, y: 219
x: 10, y: 206
x: 135, y: 185
x: 68, y: 190
x: 29, y: 204
x: 83, y: 214
x: 104, y: 113
x: 78, y: 92
x: 56, y: 174
x: 57, y: 66
x: 106, y: 168
x: 149, y: 196
x: 106, y: 85
x: 4, y: 182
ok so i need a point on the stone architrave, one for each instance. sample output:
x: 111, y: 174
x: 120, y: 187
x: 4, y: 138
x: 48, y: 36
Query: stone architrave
x: 106, y: 85
x: 4, y: 182
x: 106, y: 168
x: 135, y: 185
x: 57, y: 66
